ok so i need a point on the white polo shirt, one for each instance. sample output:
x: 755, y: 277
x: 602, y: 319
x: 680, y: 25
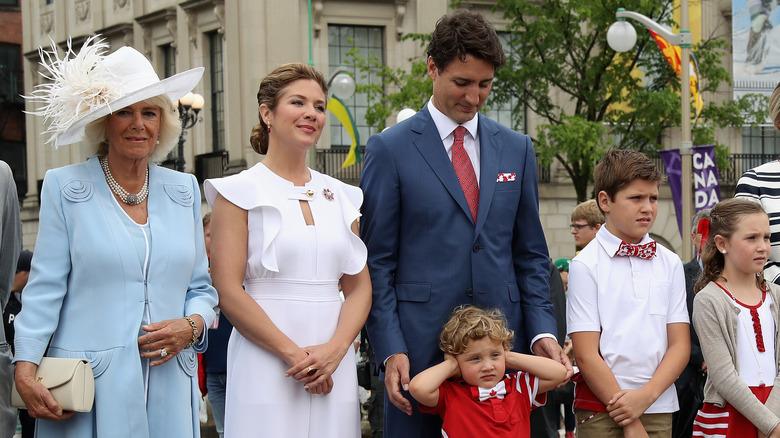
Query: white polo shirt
x: 630, y: 301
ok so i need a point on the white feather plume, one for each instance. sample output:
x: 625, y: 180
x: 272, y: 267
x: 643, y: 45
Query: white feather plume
x: 77, y: 84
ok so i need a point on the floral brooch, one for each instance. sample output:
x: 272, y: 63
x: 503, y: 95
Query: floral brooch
x: 327, y: 194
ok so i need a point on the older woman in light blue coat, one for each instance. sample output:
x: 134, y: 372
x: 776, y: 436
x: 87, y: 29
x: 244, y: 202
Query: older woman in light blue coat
x: 120, y: 275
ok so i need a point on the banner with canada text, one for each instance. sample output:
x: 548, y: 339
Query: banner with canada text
x: 706, y: 179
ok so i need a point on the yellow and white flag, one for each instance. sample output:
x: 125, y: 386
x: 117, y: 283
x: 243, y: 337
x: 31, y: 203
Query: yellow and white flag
x: 337, y: 107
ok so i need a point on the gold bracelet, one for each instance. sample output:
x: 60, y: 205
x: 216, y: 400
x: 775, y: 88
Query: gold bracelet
x: 194, y: 332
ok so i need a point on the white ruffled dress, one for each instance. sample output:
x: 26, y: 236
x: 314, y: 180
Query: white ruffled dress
x: 292, y: 273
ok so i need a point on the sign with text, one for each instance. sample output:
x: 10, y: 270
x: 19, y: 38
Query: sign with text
x: 705, y: 179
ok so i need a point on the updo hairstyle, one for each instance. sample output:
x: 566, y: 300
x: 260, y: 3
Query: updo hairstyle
x: 271, y: 88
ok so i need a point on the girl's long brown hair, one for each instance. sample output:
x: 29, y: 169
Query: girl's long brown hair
x: 724, y: 220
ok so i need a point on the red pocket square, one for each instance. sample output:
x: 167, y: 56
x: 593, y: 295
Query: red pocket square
x: 505, y: 176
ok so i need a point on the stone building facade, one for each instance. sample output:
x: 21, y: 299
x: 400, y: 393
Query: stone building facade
x: 239, y: 41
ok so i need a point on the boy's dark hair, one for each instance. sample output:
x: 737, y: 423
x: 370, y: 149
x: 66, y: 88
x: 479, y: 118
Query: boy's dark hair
x: 465, y: 33
x: 619, y: 167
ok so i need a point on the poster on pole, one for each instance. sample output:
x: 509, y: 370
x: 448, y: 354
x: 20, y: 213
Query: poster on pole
x: 755, y: 46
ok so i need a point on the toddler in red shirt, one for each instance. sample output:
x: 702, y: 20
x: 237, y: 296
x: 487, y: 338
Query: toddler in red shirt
x: 470, y: 391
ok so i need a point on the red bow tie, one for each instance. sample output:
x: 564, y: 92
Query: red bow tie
x: 646, y: 251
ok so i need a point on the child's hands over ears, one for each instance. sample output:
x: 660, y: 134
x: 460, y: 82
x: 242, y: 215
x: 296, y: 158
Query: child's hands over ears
x: 456, y: 368
x: 627, y: 405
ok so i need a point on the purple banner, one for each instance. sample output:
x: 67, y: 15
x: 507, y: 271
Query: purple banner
x: 705, y: 177
x: 673, y: 165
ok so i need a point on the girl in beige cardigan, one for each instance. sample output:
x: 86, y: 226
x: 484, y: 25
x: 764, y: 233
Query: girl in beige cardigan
x: 735, y: 314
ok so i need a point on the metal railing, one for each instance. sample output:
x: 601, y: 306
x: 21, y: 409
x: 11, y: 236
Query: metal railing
x: 738, y: 164
x: 211, y: 165
x: 329, y: 162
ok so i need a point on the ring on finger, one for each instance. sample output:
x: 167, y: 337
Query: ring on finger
x: 311, y: 371
x: 163, y: 352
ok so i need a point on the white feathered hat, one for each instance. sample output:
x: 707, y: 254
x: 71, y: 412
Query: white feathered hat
x: 88, y: 85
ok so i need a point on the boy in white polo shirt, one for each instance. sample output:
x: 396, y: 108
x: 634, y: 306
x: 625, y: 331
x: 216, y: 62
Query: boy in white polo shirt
x: 626, y: 311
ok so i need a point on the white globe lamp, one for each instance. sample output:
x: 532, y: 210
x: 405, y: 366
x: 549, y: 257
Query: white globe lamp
x: 621, y: 36
x: 404, y: 114
x: 342, y: 85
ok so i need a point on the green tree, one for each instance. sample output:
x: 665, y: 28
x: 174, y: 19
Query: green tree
x: 563, y: 70
x: 397, y: 88
x: 590, y: 97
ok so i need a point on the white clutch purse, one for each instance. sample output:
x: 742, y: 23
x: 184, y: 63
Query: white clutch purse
x: 70, y: 381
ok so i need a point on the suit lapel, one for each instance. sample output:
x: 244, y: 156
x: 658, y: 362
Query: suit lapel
x: 428, y: 142
x: 488, y: 159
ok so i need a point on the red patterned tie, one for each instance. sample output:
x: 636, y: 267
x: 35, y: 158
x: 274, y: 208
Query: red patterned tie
x: 465, y: 172
x: 646, y: 251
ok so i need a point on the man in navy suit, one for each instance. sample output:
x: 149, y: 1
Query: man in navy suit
x: 436, y: 241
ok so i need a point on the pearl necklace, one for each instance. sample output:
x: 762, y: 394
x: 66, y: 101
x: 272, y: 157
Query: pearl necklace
x: 124, y: 195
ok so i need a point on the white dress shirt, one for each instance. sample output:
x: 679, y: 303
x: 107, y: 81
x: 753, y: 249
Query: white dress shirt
x: 629, y: 301
x: 446, y: 128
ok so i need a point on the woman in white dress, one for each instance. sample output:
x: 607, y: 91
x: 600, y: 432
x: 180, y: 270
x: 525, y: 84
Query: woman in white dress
x: 288, y: 235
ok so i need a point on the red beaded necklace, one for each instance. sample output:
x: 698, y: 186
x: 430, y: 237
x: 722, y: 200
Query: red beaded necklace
x: 753, y: 314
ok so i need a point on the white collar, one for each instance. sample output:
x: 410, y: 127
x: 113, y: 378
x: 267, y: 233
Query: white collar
x: 446, y: 125
x: 611, y: 243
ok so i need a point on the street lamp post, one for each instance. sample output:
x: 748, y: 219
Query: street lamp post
x: 189, y: 108
x: 622, y: 37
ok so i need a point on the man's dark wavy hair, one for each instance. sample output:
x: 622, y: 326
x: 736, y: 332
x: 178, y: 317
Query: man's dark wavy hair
x: 465, y: 33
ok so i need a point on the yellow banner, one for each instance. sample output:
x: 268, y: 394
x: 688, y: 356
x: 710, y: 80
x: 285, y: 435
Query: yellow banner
x: 337, y: 107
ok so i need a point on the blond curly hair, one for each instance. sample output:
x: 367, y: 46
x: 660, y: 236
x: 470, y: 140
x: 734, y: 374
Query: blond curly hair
x: 472, y: 323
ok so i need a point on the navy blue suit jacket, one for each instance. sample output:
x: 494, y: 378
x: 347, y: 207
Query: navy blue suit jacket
x: 426, y: 255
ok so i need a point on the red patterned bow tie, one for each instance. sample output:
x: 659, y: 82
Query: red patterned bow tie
x: 646, y: 251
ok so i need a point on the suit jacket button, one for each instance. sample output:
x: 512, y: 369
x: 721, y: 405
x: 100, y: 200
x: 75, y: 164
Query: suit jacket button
x: 476, y: 248
x: 470, y: 292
